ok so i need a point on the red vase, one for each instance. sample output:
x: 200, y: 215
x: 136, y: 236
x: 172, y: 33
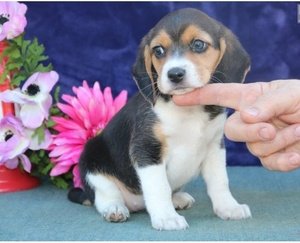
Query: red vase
x: 16, y: 179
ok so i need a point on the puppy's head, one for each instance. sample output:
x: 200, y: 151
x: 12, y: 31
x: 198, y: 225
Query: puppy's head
x: 186, y: 50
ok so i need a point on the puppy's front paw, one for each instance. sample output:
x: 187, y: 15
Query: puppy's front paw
x: 173, y: 222
x: 233, y: 211
x: 116, y: 213
x: 182, y: 200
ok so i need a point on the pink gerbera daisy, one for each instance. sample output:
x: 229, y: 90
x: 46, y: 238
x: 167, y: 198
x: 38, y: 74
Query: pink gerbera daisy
x: 87, y: 114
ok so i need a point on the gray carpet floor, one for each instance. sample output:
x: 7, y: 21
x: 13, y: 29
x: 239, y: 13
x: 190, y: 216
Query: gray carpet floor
x: 45, y: 213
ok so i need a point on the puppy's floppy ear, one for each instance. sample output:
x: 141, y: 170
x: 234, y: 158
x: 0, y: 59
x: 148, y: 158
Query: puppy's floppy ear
x: 234, y: 61
x: 143, y: 71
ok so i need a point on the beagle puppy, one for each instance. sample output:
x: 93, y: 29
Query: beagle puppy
x: 152, y: 147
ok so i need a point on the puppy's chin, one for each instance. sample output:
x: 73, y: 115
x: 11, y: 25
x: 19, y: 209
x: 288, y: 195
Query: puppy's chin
x: 180, y: 91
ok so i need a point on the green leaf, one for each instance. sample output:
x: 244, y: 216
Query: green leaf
x: 46, y: 169
x: 27, y: 68
x: 55, y: 111
x: 7, y: 52
x: 12, y: 66
x: 40, y: 133
x: 41, y: 58
x: 3, y: 76
x: 56, y: 94
x: 16, y: 60
x: 34, y: 158
x: 24, y: 47
x: 42, y: 153
x: 42, y: 68
x: 60, y: 182
x: 19, y: 40
x: 36, y: 49
x: 17, y: 79
x: 33, y: 64
x: 3, y: 55
x: 15, y: 53
x: 50, y: 123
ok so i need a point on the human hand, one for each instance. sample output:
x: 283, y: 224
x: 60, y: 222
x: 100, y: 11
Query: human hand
x: 267, y: 118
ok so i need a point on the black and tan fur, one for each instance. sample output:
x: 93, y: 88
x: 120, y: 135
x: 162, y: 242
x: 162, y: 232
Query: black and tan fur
x: 134, y: 163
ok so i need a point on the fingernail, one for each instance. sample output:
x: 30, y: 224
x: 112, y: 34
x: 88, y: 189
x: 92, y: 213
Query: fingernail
x: 297, y: 132
x: 252, y: 111
x: 265, y: 134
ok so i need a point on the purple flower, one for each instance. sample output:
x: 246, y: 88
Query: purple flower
x: 12, y: 19
x: 13, y: 143
x: 34, y: 98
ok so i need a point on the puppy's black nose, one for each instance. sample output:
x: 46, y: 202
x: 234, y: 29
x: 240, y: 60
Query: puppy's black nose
x: 176, y: 74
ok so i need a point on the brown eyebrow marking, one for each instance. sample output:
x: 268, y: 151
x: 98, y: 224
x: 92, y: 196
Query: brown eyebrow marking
x: 194, y: 32
x: 161, y: 39
x: 207, y: 62
x: 147, y: 60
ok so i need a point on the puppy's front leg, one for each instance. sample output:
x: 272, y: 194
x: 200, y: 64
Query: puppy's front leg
x: 158, y: 198
x: 215, y: 176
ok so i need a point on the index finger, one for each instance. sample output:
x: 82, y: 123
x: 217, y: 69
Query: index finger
x: 226, y: 95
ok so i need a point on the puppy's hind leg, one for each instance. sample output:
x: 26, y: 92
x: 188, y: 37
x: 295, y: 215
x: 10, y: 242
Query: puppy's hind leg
x: 182, y: 200
x: 108, y: 198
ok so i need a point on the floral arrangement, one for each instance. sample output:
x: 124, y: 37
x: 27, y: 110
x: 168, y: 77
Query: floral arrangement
x: 44, y: 137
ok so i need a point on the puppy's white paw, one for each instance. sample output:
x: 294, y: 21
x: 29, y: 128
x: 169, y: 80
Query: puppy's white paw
x: 233, y: 211
x: 182, y: 200
x: 172, y: 222
x: 117, y: 212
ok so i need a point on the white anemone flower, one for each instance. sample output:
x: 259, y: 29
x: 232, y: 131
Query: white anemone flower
x: 34, y: 98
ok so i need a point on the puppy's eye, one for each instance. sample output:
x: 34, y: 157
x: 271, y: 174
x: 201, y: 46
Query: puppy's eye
x: 159, y: 51
x: 198, y: 46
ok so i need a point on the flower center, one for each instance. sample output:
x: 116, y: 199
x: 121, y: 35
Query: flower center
x: 4, y: 18
x: 8, y: 134
x: 32, y: 89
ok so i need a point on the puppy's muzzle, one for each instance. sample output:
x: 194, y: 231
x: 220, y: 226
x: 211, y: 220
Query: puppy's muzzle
x: 176, y: 75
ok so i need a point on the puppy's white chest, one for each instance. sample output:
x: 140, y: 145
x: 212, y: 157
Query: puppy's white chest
x: 188, y: 133
x: 185, y: 152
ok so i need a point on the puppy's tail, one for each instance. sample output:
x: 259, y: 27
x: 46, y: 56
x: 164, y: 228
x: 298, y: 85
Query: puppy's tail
x: 78, y: 195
